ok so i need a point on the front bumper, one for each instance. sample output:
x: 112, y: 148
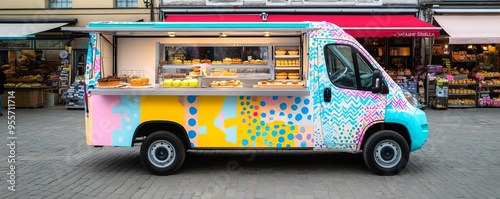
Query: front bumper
x: 418, y: 129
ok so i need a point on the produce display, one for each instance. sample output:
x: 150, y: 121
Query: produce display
x: 488, y: 74
x: 461, y: 102
x: 23, y: 85
x: 463, y: 81
x: 461, y: 91
x: 169, y: 83
x: 493, y: 82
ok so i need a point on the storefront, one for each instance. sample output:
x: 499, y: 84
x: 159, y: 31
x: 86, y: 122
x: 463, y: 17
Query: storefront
x: 468, y: 59
x: 37, y: 58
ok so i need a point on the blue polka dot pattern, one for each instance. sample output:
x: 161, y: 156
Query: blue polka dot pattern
x: 191, y: 99
x: 191, y: 134
x: 305, y: 110
x: 283, y: 106
x: 193, y: 111
x: 192, y: 122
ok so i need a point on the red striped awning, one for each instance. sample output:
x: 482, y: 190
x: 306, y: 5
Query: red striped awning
x: 356, y: 25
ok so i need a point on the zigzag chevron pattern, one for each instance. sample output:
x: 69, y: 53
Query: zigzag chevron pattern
x: 343, y: 119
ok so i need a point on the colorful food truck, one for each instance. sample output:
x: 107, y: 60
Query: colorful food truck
x: 174, y: 87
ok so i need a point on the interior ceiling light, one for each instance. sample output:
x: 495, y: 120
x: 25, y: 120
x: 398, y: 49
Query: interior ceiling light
x: 266, y: 34
x: 171, y: 34
x: 223, y: 34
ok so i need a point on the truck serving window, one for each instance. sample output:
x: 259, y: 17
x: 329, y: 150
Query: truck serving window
x: 347, y: 68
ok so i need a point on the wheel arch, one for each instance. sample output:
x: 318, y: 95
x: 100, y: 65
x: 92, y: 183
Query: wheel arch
x: 149, y: 127
x: 375, y: 127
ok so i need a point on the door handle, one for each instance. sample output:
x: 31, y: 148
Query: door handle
x: 327, y: 94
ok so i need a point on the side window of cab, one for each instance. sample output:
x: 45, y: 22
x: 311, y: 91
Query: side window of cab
x: 347, y: 67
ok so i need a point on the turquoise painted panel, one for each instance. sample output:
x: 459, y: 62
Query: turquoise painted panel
x: 419, y: 130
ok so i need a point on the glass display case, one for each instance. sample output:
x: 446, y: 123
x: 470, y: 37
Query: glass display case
x: 211, y: 66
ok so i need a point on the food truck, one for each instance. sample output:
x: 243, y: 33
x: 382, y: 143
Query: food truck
x: 172, y: 87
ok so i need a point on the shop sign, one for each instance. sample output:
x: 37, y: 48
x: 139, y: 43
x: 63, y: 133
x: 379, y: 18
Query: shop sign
x: 50, y: 44
x: 414, y: 34
x: 16, y: 44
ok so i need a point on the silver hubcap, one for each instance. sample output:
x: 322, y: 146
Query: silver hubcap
x: 387, y: 154
x: 161, y: 153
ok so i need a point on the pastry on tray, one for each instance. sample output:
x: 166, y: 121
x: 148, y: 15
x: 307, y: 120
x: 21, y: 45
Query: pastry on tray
x: 108, y: 81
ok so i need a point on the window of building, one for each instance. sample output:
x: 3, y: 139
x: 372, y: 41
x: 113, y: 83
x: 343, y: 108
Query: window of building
x: 126, y: 3
x: 60, y: 3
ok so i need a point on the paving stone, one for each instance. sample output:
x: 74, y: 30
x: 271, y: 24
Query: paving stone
x: 460, y: 160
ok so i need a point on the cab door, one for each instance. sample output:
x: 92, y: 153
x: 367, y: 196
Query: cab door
x: 348, y: 105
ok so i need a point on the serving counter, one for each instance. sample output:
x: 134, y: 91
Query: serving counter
x: 204, y: 91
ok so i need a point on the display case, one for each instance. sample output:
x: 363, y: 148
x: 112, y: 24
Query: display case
x: 462, y: 92
x: 489, y: 89
x: 287, y: 62
x: 215, y: 66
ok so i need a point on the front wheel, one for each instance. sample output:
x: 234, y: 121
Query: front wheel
x: 162, y: 153
x: 386, y: 153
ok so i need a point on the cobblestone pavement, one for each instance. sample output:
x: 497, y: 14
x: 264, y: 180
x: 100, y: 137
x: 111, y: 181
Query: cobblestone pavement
x: 461, y: 160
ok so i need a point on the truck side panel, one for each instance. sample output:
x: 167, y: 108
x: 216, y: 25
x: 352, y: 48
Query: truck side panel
x: 210, y: 121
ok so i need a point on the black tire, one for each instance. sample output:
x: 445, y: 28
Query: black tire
x: 386, y: 153
x: 167, y: 153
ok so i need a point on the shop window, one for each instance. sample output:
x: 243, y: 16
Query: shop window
x: 60, y: 3
x: 126, y: 3
x: 347, y: 68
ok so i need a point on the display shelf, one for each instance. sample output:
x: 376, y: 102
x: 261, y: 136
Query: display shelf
x: 461, y: 106
x: 462, y: 85
x: 241, y: 66
x: 461, y: 95
x: 286, y: 56
x: 288, y: 68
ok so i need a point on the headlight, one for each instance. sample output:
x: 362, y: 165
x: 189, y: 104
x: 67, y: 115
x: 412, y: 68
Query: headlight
x: 411, y: 98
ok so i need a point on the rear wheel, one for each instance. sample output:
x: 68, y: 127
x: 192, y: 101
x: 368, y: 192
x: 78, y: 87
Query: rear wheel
x: 386, y: 153
x: 162, y: 153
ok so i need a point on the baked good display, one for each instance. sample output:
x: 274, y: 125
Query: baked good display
x: 187, y: 62
x: 206, y: 61
x: 139, y: 81
x: 108, y: 81
x: 236, y: 61
x: 293, y: 52
x: 179, y: 75
x: 281, y: 75
x: 280, y: 51
x: 293, y: 76
x: 196, y: 61
x: 226, y: 83
x: 227, y: 60
x: 177, y: 61
x: 217, y: 62
x: 246, y: 62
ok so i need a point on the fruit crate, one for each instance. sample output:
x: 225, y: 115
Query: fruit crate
x: 25, y: 97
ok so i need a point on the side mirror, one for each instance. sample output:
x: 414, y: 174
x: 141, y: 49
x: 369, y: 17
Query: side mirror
x: 377, y: 81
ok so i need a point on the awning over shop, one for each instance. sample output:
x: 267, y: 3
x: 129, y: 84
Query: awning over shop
x: 355, y: 25
x: 17, y: 30
x: 471, y: 29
